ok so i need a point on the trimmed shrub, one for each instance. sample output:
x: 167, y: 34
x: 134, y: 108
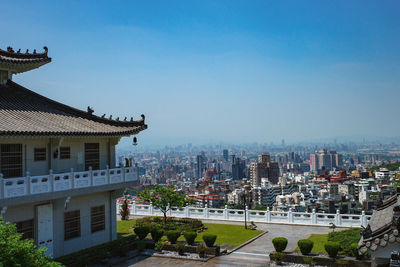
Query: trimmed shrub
x: 142, y: 231
x: 190, y: 237
x: 279, y: 243
x: 345, y: 238
x: 354, y: 251
x: 209, y: 239
x: 305, y: 246
x: 173, y: 235
x: 332, y: 248
x: 156, y: 234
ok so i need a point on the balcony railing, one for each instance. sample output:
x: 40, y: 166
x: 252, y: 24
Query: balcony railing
x: 32, y: 185
x: 267, y: 216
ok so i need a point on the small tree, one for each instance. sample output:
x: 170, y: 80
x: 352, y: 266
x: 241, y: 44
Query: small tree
x: 163, y: 198
x: 17, y: 252
x: 332, y: 226
x: 124, y: 211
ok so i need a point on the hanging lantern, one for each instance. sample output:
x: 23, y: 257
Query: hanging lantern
x: 134, y: 141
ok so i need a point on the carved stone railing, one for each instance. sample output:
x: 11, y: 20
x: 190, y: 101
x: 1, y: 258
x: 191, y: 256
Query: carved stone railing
x: 54, y: 182
x: 268, y: 216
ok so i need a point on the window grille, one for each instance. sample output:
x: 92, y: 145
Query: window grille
x: 98, y: 218
x: 40, y: 154
x: 72, y: 224
x: 92, y: 156
x: 26, y: 228
x: 11, y: 160
x: 65, y: 152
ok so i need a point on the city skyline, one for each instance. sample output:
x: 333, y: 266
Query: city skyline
x: 220, y: 71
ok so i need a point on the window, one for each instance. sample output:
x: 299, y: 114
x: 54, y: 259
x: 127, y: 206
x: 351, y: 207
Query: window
x: 98, y: 218
x: 92, y: 156
x: 72, y: 224
x: 40, y: 154
x: 11, y: 160
x: 26, y: 228
x: 65, y: 152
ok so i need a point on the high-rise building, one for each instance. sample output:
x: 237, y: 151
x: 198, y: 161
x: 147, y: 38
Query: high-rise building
x: 264, y: 168
x: 325, y: 160
x: 199, y: 166
x: 225, y: 154
x: 238, y: 168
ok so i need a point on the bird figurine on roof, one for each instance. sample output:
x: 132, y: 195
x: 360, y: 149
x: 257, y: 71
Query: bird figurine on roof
x: 90, y: 110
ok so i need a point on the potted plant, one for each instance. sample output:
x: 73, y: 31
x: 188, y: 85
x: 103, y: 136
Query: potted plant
x: 158, y: 246
x: 180, y: 247
x: 201, y: 249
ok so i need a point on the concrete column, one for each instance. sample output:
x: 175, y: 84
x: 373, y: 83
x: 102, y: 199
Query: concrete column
x: 268, y: 215
x: 313, y: 217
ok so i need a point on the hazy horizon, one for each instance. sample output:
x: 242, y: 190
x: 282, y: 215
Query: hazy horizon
x: 219, y: 71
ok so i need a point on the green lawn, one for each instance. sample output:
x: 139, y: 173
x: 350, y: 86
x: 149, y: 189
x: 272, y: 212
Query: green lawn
x: 232, y: 235
x: 319, y: 242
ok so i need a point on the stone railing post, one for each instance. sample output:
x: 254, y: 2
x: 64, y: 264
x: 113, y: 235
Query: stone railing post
x: 206, y: 215
x: 290, y: 216
x: 187, y: 212
x: 73, y: 177
x: 338, y: 218
x: 363, y: 219
x: 28, y: 183
x: 169, y: 208
x: 268, y: 215
x: 151, y: 208
x: 313, y: 217
x: 133, y: 207
x: 247, y: 212
x: 91, y: 176
x: 51, y: 177
x: 108, y: 174
x: 226, y: 212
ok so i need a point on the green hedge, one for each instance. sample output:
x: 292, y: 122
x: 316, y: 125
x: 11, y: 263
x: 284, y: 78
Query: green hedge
x: 332, y: 248
x: 190, y: 237
x: 173, y: 223
x: 305, y: 246
x: 209, y: 239
x: 279, y: 243
x: 156, y: 234
x: 173, y: 235
x: 142, y: 231
x: 345, y: 238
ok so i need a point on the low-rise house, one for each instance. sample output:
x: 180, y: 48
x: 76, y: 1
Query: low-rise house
x: 58, y: 180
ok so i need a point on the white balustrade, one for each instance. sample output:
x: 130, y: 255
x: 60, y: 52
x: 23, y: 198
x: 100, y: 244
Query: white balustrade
x: 33, y: 185
x: 267, y: 216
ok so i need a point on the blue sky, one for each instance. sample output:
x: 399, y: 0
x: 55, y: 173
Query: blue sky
x: 212, y: 71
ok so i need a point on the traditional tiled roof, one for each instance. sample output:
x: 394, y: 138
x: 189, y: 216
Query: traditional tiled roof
x: 26, y: 113
x: 18, y: 62
x: 383, y: 228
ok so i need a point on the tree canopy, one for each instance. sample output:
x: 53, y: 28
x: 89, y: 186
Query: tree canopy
x: 163, y: 198
x: 15, y: 251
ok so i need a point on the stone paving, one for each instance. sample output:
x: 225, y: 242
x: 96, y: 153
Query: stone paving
x: 254, y: 254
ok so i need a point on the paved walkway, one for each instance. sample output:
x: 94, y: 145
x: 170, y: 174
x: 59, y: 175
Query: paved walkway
x: 253, y: 254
